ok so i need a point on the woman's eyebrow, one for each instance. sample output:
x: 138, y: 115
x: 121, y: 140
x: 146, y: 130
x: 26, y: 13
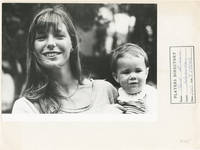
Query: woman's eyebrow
x: 40, y: 33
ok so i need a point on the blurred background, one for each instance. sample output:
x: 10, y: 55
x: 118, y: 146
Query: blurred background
x: 101, y: 28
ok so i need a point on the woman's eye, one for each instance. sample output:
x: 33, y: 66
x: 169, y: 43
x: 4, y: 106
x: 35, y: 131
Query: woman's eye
x: 59, y: 36
x: 40, y: 37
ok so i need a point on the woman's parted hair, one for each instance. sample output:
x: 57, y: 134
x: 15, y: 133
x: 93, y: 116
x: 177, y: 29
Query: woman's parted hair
x: 38, y: 86
x: 130, y: 48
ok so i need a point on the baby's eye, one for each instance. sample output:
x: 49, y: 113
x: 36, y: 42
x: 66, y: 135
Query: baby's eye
x: 125, y: 72
x: 138, y: 70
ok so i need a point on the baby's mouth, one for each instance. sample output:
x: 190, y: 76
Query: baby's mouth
x: 133, y: 83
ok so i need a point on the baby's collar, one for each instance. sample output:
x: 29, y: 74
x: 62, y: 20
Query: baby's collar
x: 124, y: 96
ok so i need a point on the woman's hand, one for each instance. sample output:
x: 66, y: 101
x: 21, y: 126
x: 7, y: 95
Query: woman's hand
x: 114, y: 109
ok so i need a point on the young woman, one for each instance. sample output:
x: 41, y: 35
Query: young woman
x: 54, y: 82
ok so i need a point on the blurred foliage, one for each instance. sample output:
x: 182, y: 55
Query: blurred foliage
x: 16, y: 18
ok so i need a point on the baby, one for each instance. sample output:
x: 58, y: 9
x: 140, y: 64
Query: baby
x: 130, y: 68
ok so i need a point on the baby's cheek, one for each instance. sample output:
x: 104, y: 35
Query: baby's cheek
x: 124, y: 84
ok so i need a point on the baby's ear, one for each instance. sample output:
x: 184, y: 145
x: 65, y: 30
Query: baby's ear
x: 147, y: 71
x: 115, y: 77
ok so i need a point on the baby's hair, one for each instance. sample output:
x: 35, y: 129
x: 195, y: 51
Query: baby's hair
x: 123, y: 49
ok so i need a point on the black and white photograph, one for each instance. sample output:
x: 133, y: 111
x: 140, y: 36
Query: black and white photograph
x: 105, y: 75
x: 79, y: 58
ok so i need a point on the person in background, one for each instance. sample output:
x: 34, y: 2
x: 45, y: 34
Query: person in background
x: 8, y: 88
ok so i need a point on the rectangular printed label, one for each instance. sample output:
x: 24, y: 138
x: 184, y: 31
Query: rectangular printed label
x: 182, y: 79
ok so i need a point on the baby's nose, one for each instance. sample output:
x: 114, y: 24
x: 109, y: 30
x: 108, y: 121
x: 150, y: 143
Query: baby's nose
x: 132, y: 76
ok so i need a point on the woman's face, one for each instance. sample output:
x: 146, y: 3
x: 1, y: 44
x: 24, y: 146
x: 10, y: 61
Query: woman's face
x: 53, y: 48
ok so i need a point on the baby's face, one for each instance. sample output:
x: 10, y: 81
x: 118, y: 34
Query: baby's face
x: 131, y: 73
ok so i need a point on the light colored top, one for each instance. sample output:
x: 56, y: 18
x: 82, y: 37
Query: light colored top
x: 148, y: 95
x: 102, y: 94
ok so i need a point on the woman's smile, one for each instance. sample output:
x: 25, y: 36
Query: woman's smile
x: 51, y: 54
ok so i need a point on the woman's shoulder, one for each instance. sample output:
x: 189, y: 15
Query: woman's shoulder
x: 23, y: 105
x: 105, y: 86
x: 103, y: 83
x: 21, y: 101
x: 97, y: 83
x: 101, y: 86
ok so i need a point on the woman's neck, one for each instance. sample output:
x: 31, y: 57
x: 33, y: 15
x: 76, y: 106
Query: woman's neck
x: 64, y: 77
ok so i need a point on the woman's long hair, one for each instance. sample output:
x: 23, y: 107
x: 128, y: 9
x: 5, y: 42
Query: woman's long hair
x: 38, y: 86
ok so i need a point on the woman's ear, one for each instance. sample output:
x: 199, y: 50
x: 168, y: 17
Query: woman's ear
x: 115, y: 77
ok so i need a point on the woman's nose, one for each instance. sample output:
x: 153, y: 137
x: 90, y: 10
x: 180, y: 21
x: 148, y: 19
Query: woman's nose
x: 51, y: 42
